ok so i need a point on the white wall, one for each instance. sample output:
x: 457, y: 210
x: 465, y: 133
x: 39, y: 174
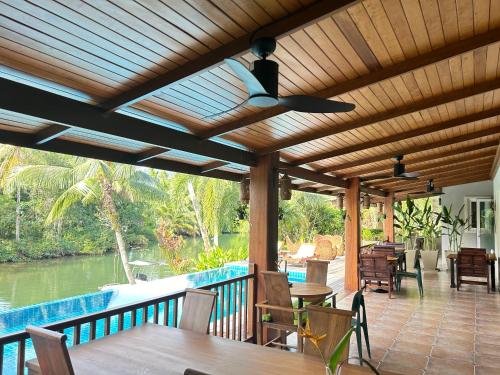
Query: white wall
x: 496, y: 192
x: 455, y: 195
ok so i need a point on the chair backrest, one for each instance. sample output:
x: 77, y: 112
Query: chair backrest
x: 334, y: 323
x: 278, y: 294
x: 477, y: 250
x: 325, y: 250
x: 472, y: 263
x: 197, y: 309
x: 292, y: 247
x: 374, y: 266
x: 317, y: 271
x: 358, y: 303
x: 416, y: 263
x: 386, y: 250
x: 51, y: 351
x: 419, y: 243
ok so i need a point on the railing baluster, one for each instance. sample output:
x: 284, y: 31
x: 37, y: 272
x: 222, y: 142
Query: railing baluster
x: 92, y: 330
x: 107, y: 326
x: 214, y: 313
x: 176, y: 307
x: 120, y: 321
x: 240, y: 299
x: 1, y: 358
x: 221, y: 318
x: 77, y: 333
x: 233, y: 332
x: 156, y: 313
x: 145, y: 314
x: 228, y: 310
x: 166, y: 312
x: 133, y: 318
x: 21, y: 351
x: 245, y: 331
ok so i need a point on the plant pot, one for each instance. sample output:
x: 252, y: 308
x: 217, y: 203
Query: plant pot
x: 429, y: 259
x: 410, y: 258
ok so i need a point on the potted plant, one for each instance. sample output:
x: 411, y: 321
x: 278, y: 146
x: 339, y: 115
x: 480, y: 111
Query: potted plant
x: 454, y: 226
x: 429, y: 228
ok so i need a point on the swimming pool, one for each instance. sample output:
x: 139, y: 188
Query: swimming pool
x: 110, y: 297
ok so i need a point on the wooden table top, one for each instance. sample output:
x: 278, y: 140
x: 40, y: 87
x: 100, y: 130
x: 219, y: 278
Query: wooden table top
x: 304, y: 290
x: 153, y: 349
x: 491, y: 257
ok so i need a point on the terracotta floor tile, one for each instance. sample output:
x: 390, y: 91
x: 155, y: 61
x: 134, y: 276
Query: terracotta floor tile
x: 412, y: 347
x: 482, y: 370
x: 488, y: 349
x: 452, y: 352
x: 405, y: 359
x: 438, y: 366
x: 487, y: 360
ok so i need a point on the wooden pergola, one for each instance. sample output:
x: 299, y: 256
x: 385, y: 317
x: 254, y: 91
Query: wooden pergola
x: 133, y: 82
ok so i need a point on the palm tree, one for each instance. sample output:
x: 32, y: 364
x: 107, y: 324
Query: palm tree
x: 93, y: 181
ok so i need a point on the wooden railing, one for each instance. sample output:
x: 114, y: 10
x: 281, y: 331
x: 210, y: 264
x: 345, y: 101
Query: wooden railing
x: 231, y: 318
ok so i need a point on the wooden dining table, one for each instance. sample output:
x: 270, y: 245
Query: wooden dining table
x: 158, y: 350
x: 310, y: 291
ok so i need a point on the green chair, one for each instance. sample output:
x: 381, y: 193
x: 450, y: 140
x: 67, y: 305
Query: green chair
x: 416, y: 275
x: 358, y: 303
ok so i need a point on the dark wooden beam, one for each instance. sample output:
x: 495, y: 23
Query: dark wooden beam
x: 411, y: 163
x: 373, y: 191
x: 325, y: 188
x: 216, y: 164
x: 150, y: 154
x: 373, y: 77
x: 401, y: 136
x: 50, y: 132
x: 282, y: 27
x: 307, y: 185
x: 309, y: 175
x: 102, y: 153
x: 34, y: 102
x: 387, y: 115
x: 414, y: 149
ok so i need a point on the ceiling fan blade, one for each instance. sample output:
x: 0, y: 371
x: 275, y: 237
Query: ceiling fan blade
x: 313, y: 104
x: 411, y: 175
x: 214, y: 115
x: 254, y: 87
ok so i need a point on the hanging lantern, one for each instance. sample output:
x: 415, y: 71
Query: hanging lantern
x: 380, y: 207
x: 285, y: 187
x: 340, y: 201
x: 366, y: 201
x: 245, y: 190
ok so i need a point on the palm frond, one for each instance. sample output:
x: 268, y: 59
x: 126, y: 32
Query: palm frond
x: 80, y: 191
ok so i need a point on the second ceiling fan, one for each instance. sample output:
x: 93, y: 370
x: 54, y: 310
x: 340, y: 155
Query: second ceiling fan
x: 262, y: 85
x: 399, y: 172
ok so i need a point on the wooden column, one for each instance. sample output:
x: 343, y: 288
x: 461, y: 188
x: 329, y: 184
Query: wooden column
x: 352, y: 234
x: 263, y: 247
x: 389, y: 217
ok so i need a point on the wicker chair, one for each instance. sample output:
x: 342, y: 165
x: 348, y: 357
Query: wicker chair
x: 291, y: 246
x: 324, y: 250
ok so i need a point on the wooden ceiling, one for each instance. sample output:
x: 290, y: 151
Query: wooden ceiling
x: 132, y: 80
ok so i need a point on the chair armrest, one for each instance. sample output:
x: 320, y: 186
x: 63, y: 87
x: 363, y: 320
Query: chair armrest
x: 279, y: 308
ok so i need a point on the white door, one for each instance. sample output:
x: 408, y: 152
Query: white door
x: 485, y: 219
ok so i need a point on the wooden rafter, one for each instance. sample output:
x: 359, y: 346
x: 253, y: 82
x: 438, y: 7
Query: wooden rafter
x: 150, y: 153
x: 313, y: 13
x: 50, y: 132
x: 411, y: 163
x: 45, y: 105
x: 414, y: 149
x: 444, y: 182
x: 373, y: 77
x: 387, y: 115
x: 401, y: 136
x: 210, y: 166
x: 307, y: 174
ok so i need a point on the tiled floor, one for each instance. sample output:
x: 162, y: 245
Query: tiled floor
x: 446, y: 332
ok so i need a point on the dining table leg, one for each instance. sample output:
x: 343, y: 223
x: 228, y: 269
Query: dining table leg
x: 492, y: 269
x: 452, y: 273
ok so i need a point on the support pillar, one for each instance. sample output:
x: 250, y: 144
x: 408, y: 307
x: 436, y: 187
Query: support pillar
x: 263, y: 247
x: 352, y: 234
x: 389, y: 217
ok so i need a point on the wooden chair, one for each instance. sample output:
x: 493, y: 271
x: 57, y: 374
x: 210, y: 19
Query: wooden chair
x: 390, y: 250
x: 360, y: 323
x: 472, y: 263
x: 283, y: 316
x: 197, y: 310
x: 334, y: 323
x: 376, y: 267
x: 317, y: 272
x: 416, y: 275
x: 51, y: 351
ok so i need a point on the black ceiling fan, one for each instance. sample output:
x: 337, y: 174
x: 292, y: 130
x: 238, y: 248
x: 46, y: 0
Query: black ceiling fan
x: 430, y: 189
x: 262, y: 85
x: 399, y: 172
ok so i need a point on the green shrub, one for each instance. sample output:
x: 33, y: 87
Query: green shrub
x: 368, y: 234
x: 217, y: 257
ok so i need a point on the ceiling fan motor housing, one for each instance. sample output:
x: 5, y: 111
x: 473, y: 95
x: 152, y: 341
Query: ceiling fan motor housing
x: 399, y: 169
x: 266, y: 71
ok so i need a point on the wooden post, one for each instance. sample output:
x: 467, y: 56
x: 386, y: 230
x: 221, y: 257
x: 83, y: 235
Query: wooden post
x: 263, y: 247
x: 352, y: 234
x: 389, y: 217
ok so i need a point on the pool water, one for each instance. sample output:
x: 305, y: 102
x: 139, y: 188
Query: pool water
x: 110, y: 297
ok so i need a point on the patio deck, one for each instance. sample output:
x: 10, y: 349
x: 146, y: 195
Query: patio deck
x: 446, y: 332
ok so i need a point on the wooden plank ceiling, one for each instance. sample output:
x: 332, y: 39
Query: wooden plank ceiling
x: 424, y: 76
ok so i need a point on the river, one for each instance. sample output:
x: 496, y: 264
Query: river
x: 23, y: 284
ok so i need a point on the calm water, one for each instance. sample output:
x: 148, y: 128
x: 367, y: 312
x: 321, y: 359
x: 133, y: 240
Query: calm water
x: 25, y: 284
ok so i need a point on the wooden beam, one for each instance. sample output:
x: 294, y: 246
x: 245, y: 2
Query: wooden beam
x: 102, y: 153
x: 389, y: 217
x: 280, y: 28
x: 372, y: 191
x: 401, y: 136
x: 387, y: 115
x: 309, y: 175
x: 352, y: 234
x: 407, y: 66
x: 150, y: 154
x: 263, y: 251
x: 45, y: 105
x: 445, y: 183
x: 306, y: 185
x: 49, y: 133
x: 411, y: 163
x: 325, y: 188
x: 496, y: 163
x: 414, y: 149
x: 216, y: 164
